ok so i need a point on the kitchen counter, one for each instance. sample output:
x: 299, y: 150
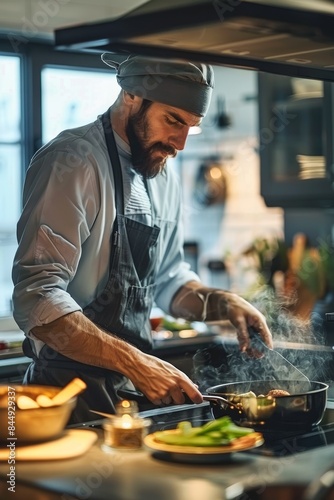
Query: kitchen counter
x: 180, y: 349
x: 138, y: 475
x: 13, y: 362
x: 106, y: 474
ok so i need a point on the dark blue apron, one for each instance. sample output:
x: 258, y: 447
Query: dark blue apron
x: 122, y: 308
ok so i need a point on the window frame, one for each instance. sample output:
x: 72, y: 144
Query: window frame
x: 34, y: 56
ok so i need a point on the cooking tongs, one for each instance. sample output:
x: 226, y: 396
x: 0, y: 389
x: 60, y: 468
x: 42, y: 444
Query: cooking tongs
x: 282, y: 368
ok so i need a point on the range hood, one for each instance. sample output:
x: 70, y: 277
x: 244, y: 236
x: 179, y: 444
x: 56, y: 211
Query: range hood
x: 289, y: 37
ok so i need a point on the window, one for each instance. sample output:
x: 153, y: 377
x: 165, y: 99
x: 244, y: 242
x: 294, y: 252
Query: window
x: 72, y: 98
x: 42, y: 91
x: 10, y: 170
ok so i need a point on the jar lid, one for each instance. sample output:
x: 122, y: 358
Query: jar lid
x: 126, y: 407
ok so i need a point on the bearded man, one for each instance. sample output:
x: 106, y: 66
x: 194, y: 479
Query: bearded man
x: 100, y: 241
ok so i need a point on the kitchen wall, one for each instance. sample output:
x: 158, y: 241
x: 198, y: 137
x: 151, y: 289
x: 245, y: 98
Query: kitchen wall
x: 229, y: 227
x: 40, y: 17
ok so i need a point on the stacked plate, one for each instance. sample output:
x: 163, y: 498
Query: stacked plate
x: 311, y: 167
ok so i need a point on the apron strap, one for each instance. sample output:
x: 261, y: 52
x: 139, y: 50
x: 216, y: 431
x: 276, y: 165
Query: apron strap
x: 116, y: 164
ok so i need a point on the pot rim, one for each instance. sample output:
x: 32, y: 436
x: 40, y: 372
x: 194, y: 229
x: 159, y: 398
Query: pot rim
x: 323, y: 387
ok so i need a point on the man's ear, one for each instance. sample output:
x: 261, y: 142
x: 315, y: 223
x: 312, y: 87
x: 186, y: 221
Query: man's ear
x: 128, y: 96
x: 132, y: 100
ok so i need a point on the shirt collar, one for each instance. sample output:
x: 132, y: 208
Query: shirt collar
x: 123, y: 147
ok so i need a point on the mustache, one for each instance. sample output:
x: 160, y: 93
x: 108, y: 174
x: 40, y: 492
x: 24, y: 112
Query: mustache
x: 164, y: 148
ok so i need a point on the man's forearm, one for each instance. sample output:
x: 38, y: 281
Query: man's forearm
x: 76, y: 337
x: 196, y: 302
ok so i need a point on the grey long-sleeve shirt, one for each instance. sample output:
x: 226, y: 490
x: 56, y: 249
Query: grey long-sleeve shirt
x: 62, y: 261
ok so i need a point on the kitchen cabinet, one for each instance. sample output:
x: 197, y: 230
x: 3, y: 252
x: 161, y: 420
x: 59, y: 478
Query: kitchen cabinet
x: 296, y: 141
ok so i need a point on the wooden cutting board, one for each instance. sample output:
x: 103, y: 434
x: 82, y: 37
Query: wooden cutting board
x: 72, y: 443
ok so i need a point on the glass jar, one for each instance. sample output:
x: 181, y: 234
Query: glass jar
x: 125, y: 430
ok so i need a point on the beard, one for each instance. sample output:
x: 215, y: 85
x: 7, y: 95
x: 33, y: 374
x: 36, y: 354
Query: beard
x: 148, y: 160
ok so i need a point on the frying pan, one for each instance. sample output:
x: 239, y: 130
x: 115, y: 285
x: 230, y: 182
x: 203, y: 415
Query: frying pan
x: 303, y: 407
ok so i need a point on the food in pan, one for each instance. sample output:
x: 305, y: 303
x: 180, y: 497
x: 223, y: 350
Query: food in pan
x: 258, y: 407
x: 276, y: 393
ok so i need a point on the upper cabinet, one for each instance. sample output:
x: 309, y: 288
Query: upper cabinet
x: 296, y: 141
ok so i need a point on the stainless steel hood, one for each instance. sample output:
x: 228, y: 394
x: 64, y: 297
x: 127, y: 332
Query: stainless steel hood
x: 289, y: 37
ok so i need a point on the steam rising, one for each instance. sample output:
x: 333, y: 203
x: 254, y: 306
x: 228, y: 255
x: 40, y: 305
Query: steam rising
x: 225, y: 363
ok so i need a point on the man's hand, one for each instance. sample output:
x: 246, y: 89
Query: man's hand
x: 76, y: 337
x: 243, y: 315
x: 161, y: 382
x: 196, y: 302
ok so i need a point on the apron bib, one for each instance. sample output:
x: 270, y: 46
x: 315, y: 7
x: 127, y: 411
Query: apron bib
x: 122, y: 308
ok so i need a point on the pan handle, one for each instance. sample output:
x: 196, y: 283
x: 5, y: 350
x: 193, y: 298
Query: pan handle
x: 146, y: 404
x: 220, y: 400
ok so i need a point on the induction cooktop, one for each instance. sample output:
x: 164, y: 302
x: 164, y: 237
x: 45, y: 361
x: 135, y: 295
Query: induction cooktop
x: 276, y: 443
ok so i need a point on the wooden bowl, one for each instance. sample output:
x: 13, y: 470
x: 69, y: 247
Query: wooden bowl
x: 35, y: 424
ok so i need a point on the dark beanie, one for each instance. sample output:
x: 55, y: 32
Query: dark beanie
x: 177, y: 83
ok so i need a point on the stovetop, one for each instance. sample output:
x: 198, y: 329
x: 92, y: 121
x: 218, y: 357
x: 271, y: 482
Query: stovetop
x: 276, y: 443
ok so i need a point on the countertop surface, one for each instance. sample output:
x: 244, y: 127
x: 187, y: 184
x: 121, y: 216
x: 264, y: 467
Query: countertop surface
x: 124, y: 475
x: 116, y: 475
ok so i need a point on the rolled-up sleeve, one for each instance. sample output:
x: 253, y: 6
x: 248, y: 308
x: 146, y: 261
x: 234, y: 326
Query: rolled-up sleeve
x: 60, y: 203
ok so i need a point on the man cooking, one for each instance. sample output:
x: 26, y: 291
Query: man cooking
x: 100, y: 239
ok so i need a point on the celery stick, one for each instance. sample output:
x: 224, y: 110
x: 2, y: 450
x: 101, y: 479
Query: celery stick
x: 219, y: 424
x: 178, y: 439
x: 215, y: 433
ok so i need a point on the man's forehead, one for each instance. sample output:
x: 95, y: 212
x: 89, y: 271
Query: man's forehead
x: 189, y: 119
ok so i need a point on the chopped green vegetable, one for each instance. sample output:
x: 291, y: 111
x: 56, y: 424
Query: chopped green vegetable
x: 185, y: 428
x: 175, y: 325
x: 218, y: 432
